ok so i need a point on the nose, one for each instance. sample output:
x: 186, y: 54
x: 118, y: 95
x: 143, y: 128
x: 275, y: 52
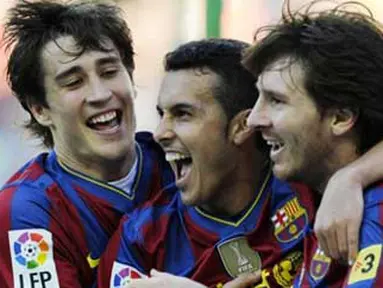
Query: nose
x: 99, y: 92
x: 164, y: 132
x: 258, y: 117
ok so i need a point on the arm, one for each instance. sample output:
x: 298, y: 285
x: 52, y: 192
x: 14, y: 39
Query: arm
x: 31, y: 254
x: 338, y: 221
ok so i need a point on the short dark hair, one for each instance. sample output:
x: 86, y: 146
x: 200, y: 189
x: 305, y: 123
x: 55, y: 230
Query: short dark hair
x: 236, y: 90
x: 31, y: 25
x: 341, y: 53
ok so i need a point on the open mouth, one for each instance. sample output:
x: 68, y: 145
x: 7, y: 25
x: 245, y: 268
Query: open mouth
x: 275, y: 146
x: 105, y: 121
x: 181, y: 163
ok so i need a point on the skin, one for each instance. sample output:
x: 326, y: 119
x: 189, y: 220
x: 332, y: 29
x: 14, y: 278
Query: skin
x: 309, y: 115
x: 193, y: 123
x: 77, y: 89
x: 285, y: 113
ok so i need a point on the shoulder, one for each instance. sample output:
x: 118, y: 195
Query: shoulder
x: 153, y: 159
x: 374, y: 193
x: 146, y: 141
x: 23, y: 199
x: 153, y: 216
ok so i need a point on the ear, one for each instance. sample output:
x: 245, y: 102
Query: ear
x: 239, y: 132
x: 41, y: 115
x: 343, y: 120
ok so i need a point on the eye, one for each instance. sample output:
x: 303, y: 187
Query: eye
x: 182, y: 114
x: 73, y: 83
x: 109, y: 72
x: 275, y: 101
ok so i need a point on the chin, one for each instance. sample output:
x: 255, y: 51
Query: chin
x: 187, y: 199
x: 281, y: 172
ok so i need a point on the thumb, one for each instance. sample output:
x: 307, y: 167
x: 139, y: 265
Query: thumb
x: 156, y: 273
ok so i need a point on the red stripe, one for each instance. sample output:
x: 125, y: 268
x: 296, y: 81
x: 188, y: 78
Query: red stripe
x: 107, y: 260
x: 6, y: 277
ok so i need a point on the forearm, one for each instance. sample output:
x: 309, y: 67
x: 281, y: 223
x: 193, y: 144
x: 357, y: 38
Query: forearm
x: 368, y: 168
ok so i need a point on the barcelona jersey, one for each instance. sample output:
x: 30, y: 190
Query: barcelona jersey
x: 184, y: 240
x: 367, y: 271
x: 56, y: 222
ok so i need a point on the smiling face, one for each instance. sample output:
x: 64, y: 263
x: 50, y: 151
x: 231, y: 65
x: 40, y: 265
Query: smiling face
x: 193, y: 133
x: 90, y: 100
x: 299, y: 136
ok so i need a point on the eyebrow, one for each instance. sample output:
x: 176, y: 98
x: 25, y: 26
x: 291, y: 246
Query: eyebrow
x: 178, y: 106
x: 77, y: 69
x: 270, y: 92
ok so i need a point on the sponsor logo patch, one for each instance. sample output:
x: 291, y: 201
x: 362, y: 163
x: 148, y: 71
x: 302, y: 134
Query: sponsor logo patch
x: 289, y: 221
x: 124, y: 274
x: 238, y: 257
x: 319, y: 265
x: 366, y: 265
x: 32, y: 258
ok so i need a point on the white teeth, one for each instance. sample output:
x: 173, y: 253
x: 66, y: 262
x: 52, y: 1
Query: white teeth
x: 274, y: 144
x: 174, y: 156
x: 104, y: 117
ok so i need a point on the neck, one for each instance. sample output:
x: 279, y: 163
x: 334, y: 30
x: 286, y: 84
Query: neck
x: 104, y: 169
x: 343, y: 155
x: 240, y: 190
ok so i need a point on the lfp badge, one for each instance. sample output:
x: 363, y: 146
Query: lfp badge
x: 32, y: 258
x: 124, y: 274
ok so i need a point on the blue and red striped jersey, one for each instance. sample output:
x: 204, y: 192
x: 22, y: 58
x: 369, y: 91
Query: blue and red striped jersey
x: 56, y: 222
x: 367, y: 271
x: 184, y: 240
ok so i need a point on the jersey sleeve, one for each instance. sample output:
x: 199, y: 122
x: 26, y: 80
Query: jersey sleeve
x: 367, y: 270
x: 31, y: 254
x: 122, y: 260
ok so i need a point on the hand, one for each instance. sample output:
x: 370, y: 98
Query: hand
x: 244, y: 280
x: 162, y: 279
x: 339, y: 216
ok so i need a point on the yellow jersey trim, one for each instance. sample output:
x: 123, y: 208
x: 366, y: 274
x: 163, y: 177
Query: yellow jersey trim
x: 236, y: 224
x: 105, y: 184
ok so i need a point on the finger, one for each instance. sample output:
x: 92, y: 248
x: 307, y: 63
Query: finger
x: 353, y: 243
x: 341, y: 235
x: 156, y: 273
x: 322, y: 241
x: 332, y: 244
x: 244, y: 280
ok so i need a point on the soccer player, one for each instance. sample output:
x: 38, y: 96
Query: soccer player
x: 320, y: 107
x: 71, y: 68
x: 229, y: 215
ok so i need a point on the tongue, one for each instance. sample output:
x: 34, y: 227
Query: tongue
x: 184, y: 169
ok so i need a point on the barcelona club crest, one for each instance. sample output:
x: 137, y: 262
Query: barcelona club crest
x: 319, y: 265
x: 289, y: 221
